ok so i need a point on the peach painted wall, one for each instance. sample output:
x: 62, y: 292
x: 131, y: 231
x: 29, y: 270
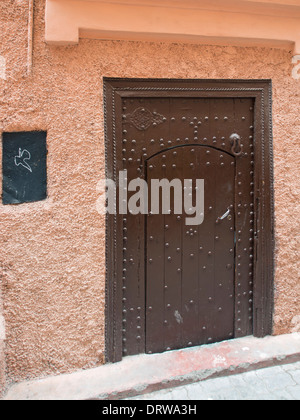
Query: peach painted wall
x: 2, y: 348
x: 245, y: 23
x: 52, y: 262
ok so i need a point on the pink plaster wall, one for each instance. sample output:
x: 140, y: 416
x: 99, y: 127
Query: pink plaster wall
x: 2, y: 349
x: 52, y: 262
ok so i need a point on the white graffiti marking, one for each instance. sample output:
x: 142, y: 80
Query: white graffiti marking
x: 22, y: 159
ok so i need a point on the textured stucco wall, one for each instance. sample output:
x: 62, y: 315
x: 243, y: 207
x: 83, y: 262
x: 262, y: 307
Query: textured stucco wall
x: 2, y: 348
x: 52, y: 262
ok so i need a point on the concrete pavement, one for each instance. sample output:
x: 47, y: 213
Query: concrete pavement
x: 142, y: 374
x: 275, y: 383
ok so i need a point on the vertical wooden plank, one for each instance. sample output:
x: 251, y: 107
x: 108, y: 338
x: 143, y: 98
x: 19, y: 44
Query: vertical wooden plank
x: 190, y: 290
x: 173, y: 256
x: 244, y: 127
x: 206, y: 246
x: 224, y: 268
x: 155, y: 276
x: 156, y: 229
x: 221, y: 116
x: 133, y: 307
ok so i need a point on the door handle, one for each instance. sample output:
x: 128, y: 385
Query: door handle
x: 225, y: 215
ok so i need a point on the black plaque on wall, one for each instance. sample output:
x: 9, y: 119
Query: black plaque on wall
x: 24, y: 166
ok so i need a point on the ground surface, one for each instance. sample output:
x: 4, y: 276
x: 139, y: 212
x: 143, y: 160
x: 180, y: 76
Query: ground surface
x: 210, y: 369
x: 275, y: 383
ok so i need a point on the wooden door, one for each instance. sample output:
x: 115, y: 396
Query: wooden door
x: 174, y: 285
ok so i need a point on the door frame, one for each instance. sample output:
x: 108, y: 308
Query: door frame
x: 115, y: 90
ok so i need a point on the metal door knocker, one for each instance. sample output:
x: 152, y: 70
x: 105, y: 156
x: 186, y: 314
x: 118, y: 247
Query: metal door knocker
x: 237, y: 147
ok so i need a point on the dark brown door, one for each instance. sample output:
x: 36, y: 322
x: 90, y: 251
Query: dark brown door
x: 174, y: 285
x: 190, y: 269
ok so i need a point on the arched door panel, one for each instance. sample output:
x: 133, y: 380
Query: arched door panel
x: 190, y: 269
